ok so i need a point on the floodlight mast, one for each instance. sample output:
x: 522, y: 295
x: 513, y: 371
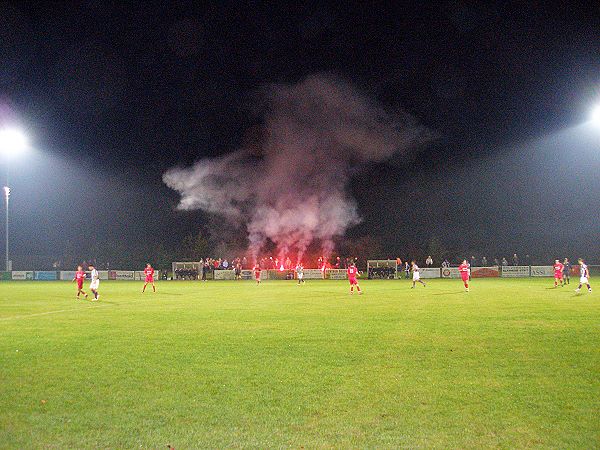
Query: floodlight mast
x: 12, y: 142
x: 6, y: 197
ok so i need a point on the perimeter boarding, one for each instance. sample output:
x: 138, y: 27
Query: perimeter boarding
x: 376, y: 269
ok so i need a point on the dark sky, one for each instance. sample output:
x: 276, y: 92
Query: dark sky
x: 114, y: 93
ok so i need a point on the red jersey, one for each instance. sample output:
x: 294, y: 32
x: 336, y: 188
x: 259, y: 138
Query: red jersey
x: 558, y: 268
x: 256, y: 272
x: 464, y: 268
x: 149, y: 272
x: 79, y: 276
x: 352, y: 272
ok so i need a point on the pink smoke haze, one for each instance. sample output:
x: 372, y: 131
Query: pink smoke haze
x: 316, y: 133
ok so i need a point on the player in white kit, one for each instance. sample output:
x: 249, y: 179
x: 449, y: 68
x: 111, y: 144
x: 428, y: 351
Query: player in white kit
x: 300, y: 273
x: 416, y: 275
x: 584, y: 276
x: 95, y: 283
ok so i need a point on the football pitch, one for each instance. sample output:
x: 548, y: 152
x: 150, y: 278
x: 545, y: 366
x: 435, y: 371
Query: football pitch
x: 513, y: 363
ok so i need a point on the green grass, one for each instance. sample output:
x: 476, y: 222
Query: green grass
x: 225, y: 364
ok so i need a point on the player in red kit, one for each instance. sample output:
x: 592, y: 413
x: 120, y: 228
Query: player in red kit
x: 149, y: 277
x: 256, y: 270
x: 352, y: 274
x: 79, y: 277
x: 558, y: 273
x: 464, y: 273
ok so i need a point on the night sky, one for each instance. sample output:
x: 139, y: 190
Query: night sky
x: 112, y: 94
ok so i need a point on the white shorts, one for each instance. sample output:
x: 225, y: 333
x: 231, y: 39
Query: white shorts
x: 583, y: 280
x: 300, y: 276
x: 94, y: 284
x: 416, y: 276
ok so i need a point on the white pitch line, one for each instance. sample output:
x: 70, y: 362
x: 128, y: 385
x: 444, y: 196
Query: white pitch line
x: 49, y: 312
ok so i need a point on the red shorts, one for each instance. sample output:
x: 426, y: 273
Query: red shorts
x: 464, y: 276
x: 558, y: 275
x: 149, y: 279
x: 353, y: 280
x: 257, y: 276
x: 80, y: 285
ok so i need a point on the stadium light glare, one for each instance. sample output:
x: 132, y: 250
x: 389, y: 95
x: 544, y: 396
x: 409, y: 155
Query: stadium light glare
x: 12, y: 142
x: 595, y: 116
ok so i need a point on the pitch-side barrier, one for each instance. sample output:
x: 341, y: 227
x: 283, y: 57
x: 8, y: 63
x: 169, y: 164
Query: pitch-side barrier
x: 309, y: 274
x: 68, y: 275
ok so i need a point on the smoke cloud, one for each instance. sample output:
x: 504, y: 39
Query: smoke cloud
x: 291, y: 188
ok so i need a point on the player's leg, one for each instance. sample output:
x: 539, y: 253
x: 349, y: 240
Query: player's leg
x: 144, y: 288
x: 153, y: 287
x: 358, y: 289
x: 422, y: 282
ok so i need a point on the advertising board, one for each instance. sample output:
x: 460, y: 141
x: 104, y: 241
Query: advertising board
x: 22, y: 275
x: 542, y: 271
x: 224, y: 274
x: 514, y: 271
x: 313, y: 274
x: 121, y: 275
x: 429, y: 272
x: 45, y: 275
x: 485, y: 272
x: 336, y: 274
x: 450, y: 272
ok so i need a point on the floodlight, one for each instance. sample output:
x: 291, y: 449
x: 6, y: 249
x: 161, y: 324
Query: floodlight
x: 12, y: 141
x: 595, y: 117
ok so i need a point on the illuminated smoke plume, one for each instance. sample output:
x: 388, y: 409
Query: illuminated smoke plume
x: 293, y: 191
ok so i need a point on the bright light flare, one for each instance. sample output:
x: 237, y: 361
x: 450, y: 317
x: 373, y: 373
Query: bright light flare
x: 12, y: 141
x: 595, y: 117
x: 6, y: 190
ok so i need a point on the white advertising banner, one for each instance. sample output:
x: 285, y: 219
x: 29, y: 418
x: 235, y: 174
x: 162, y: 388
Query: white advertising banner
x: 336, y: 274
x: 67, y: 275
x: 22, y: 275
x: 248, y: 274
x: 124, y: 274
x: 450, y: 272
x: 225, y: 275
x: 542, y: 271
x: 514, y: 271
x: 103, y: 274
x: 313, y: 274
x: 429, y: 272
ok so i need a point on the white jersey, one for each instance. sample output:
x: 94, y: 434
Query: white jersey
x: 416, y: 275
x: 584, y: 274
x: 95, y: 279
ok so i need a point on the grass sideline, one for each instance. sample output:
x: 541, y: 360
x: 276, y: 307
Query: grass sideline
x: 229, y: 364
